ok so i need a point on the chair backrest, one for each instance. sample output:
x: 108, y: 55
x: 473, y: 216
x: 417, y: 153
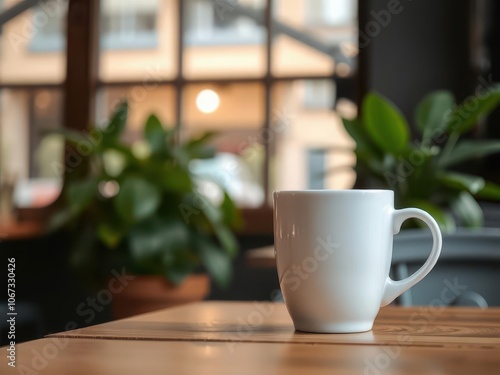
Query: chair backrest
x: 467, y: 273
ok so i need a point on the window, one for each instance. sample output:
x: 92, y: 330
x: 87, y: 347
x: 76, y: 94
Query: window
x: 316, y: 168
x: 275, y: 113
x: 124, y: 25
x: 331, y: 12
x: 138, y: 41
x: 48, y: 26
x: 319, y: 94
x: 32, y: 74
x: 219, y: 22
x: 129, y: 24
x: 304, y: 140
x: 237, y: 119
x: 143, y: 101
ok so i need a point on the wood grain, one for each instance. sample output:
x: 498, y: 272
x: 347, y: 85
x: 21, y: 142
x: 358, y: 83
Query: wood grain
x: 268, y: 322
x: 58, y: 356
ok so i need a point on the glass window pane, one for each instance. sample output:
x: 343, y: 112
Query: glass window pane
x: 238, y: 166
x: 30, y: 158
x: 138, y: 40
x: 33, y: 45
x: 143, y: 101
x: 223, y: 106
x: 315, y: 37
x: 310, y: 146
x: 236, y: 113
x: 224, y: 39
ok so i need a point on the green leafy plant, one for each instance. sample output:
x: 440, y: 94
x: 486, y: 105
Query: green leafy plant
x: 421, y: 173
x: 138, y: 206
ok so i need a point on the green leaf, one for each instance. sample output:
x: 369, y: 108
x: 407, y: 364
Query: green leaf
x: 216, y: 221
x: 465, y: 116
x: 155, y: 134
x: 385, y: 124
x: 121, y: 148
x: 367, y: 155
x: 444, y: 219
x: 199, y: 149
x: 490, y: 191
x: 216, y: 261
x: 109, y: 235
x: 365, y: 149
x: 460, y: 181
x: 466, y: 150
x: 201, y: 152
x: 468, y: 210
x: 201, y: 140
x: 420, y: 172
x: 177, y: 272
x: 113, y: 162
x: 153, y: 238
x: 180, y: 264
x: 231, y: 214
x: 80, y: 193
x: 136, y: 199
x: 213, y: 215
x: 59, y: 219
x: 177, y: 179
x: 227, y: 239
x: 430, y: 114
x: 118, y: 121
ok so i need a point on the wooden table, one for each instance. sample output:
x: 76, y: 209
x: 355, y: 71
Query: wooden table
x: 258, y: 338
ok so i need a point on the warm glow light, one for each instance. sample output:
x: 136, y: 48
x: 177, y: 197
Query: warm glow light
x: 108, y: 189
x: 343, y: 69
x: 207, y: 101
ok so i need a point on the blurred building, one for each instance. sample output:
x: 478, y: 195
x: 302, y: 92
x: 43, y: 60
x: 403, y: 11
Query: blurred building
x: 224, y: 67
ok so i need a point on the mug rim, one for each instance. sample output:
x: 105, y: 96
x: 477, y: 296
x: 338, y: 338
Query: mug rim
x: 334, y: 191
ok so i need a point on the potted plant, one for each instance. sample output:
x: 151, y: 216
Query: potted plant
x: 422, y: 173
x: 137, y: 207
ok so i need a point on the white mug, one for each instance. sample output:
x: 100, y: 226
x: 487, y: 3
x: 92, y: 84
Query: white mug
x: 333, y: 251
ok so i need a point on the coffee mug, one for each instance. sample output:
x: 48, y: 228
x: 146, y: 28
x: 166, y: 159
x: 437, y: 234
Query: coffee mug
x: 333, y: 253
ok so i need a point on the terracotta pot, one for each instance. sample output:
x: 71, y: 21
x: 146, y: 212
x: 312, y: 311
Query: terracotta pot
x: 149, y: 293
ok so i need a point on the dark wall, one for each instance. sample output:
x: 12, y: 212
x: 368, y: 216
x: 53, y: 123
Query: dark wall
x: 423, y: 46
x: 492, y: 167
x: 427, y: 45
x: 47, y: 291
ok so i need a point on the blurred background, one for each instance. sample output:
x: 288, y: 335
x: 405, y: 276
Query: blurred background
x: 272, y: 78
x: 229, y: 83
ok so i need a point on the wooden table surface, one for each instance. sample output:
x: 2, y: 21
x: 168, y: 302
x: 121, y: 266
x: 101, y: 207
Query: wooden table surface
x: 258, y: 338
x: 270, y: 322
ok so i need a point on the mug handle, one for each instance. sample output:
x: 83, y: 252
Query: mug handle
x: 394, y: 289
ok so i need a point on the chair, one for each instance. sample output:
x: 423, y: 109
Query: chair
x: 467, y: 273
